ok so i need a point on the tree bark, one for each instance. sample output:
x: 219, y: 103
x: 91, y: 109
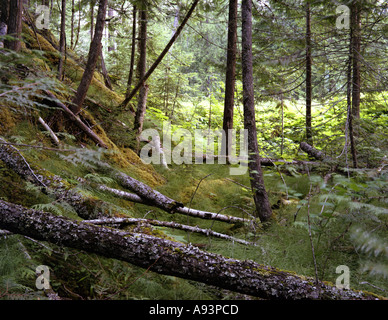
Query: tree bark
x: 94, y: 53
x: 92, y: 5
x: 141, y: 70
x: 230, y: 75
x: 313, y: 152
x: 349, y: 99
x: 170, y: 257
x: 133, y: 50
x: 140, y: 114
x: 356, y: 57
x: 15, y: 25
x: 104, y: 72
x: 161, y: 56
x: 309, y: 134
x: 263, y: 207
x: 4, y: 11
x: 62, y: 41
x: 72, y: 23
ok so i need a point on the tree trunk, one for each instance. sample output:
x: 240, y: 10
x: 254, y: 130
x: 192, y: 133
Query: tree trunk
x: 62, y: 41
x: 78, y: 27
x: 94, y: 53
x: 4, y: 11
x: 133, y: 50
x: 15, y: 24
x: 104, y: 72
x: 230, y: 75
x: 263, y: 207
x: 309, y: 134
x: 170, y: 257
x: 72, y: 23
x: 349, y: 97
x: 141, y: 70
x: 161, y: 56
x: 111, y: 46
x: 92, y: 5
x: 356, y: 47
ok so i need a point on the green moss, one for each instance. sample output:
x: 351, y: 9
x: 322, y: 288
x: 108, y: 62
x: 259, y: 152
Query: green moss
x: 7, y: 120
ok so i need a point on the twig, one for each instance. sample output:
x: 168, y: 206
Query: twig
x: 51, y: 132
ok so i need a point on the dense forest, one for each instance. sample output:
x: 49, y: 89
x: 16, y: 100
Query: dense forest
x: 193, y: 150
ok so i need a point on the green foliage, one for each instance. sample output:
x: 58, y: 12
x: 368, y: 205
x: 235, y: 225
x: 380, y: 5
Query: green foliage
x: 375, y: 248
x: 23, y: 81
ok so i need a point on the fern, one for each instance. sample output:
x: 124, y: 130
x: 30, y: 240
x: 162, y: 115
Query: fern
x: 375, y: 247
x: 88, y: 158
x: 96, y: 178
x: 54, y: 208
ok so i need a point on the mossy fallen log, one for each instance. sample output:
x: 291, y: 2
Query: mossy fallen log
x: 170, y: 257
x: 86, y: 207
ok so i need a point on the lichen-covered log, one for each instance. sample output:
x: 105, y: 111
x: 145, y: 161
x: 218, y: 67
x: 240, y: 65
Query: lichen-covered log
x: 183, y: 210
x: 169, y: 257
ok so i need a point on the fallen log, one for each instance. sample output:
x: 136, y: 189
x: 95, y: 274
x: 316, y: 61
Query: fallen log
x: 89, y: 207
x: 148, y: 194
x: 183, y: 210
x: 170, y: 257
x: 313, y: 152
x: 86, y: 207
x: 169, y: 224
x: 201, y: 158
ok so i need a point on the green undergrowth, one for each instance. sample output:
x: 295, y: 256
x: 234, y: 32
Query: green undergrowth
x: 345, y: 218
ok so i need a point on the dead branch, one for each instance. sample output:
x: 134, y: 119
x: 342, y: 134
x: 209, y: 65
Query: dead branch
x: 183, y: 210
x: 169, y: 224
x: 89, y: 132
